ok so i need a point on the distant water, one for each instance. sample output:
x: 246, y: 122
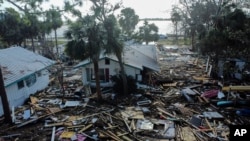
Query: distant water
x: 165, y: 27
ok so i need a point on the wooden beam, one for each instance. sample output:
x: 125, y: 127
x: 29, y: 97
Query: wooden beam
x: 236, y: 88
x: 85, y: 128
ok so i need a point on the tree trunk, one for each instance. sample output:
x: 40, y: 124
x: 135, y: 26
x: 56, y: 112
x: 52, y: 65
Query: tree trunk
x: 25, y: 43
x: 32, y: 43
x: 124, y: 78
x: 5, y: 103
x: 176, y: 33
x: 192, y: 40
x: 97, y: 79
x: 60, y: 80
x: 57, y: 53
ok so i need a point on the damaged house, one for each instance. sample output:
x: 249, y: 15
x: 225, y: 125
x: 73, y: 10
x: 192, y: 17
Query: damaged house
x: 24, y: 73
x: 139, y: 61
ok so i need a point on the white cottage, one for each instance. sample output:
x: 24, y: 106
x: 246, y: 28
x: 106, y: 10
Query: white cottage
x: 24, y: 73
x: 139, y: 60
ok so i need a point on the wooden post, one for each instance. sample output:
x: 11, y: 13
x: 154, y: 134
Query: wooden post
x: 5, y: 103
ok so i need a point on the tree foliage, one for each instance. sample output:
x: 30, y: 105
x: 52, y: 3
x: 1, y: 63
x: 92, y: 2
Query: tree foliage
x: 87, y: 41
x: 128, y: 21
x: 147, y: 33
x: 36, y: 21
x: 217, y: 28
x: 12, y: 26
x: 175, y: 18
x: 230, y: 38
x: 104, y: 12
x: 54, y: 21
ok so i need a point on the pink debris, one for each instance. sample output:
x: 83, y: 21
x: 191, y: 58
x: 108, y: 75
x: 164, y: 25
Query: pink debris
x: 210, y: 93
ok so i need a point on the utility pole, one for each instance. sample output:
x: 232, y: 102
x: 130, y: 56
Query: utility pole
x: 5, y: 103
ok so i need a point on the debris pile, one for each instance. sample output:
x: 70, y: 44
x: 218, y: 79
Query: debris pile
x: 181, y: 103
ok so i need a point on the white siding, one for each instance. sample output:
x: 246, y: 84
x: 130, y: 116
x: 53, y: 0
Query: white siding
x: 17, y: 97
x: 114, y: 68
x: 1, y: 107
x: 84, y: 77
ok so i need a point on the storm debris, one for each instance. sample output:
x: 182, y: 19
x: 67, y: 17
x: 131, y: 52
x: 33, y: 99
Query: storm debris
x: 183, y: 103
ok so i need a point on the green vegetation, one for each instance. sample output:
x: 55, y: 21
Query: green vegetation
x: 30, y: 24
x: 219, y: 29
x: 172, y: 42
x: 92, y: 34
x: 147, y: 33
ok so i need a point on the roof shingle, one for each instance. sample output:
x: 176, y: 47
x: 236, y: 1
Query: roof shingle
x: 17, y: 63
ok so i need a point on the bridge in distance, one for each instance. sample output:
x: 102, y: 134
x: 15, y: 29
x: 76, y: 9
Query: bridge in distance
x: 156, y: 19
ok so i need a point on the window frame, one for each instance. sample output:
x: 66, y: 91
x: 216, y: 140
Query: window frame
x: 31, y: 80
x: 20, y: 84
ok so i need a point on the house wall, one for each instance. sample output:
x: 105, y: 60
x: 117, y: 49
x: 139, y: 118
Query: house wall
x: 17, y: 97
x: 114, y: 69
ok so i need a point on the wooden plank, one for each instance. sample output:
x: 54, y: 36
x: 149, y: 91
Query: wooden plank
x: 110, y: 135
x: 123, y: 136
x: 85, y: 128
x: 196, y: 92
x: 132, y: 125
x: 114, y: 135
x: 53, y: 133
x: 127, y: 125
x: 54, y: 124
x: 209, y: 125
x: 187, y: 134
x: 201, y: 78
x: 170, y: 84
x: 165, y: 112
x: 205, y: 99
x: 200, y: 99
x: 236, y: 88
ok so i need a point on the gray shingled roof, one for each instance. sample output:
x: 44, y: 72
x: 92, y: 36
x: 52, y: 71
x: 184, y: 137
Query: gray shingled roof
x: 17, y: 63
x: 137, y: 56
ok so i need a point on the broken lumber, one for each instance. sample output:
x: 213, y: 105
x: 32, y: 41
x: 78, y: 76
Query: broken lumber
x: 85, y: 128
x: 236, y: 88
x: 165, y: 112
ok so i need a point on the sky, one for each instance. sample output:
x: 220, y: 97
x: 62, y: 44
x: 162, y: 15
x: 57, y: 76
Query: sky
x: 143, y: 8
x: 151, y: 8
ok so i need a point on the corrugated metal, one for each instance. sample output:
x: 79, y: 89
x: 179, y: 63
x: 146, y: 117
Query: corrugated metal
x: 17, y: 63
x: 136, y: 56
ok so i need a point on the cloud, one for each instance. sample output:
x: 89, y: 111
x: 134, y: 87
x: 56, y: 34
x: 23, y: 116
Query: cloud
x: 151, y: 8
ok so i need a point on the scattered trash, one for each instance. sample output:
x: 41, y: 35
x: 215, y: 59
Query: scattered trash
x: 184, y: 103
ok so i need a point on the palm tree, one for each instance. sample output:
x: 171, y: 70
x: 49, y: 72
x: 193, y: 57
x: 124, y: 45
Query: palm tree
x: 54, y: 20
x: 176, y: 18
x: 104, y: 12
x: 87, y: 35
x: 33, y: 29
x: 115, y: 46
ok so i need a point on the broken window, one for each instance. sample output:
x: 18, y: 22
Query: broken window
x: 31, y: 80
x: 39, y: 73
x: 107, y: 61
x: 103, y: 74
x: 88, y: 74
x: 20, y: 84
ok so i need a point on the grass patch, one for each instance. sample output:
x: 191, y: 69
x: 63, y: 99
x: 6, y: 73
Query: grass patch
x: 173, y: 42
